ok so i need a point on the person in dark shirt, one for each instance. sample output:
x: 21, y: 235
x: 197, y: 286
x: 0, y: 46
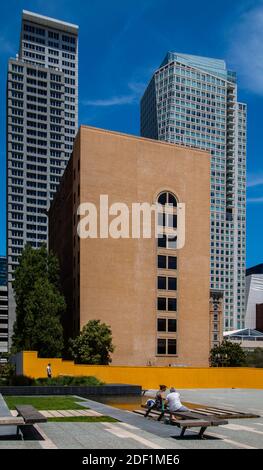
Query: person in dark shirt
x: 158, y: 402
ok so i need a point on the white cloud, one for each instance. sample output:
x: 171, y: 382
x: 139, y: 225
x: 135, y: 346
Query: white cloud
x: 246, y: 52
x: 136, y: 88
x: 113, y: 101
x: 255, y: 200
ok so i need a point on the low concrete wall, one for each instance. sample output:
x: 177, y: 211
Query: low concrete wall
x: 113, y: 390
x: 4, y: 412
x: 149, y: 377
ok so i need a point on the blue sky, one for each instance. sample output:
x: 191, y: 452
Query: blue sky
x: 121, y: 44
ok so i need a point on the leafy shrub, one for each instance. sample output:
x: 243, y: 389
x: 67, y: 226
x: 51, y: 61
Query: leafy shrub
x: 21, y: 380
x: 227, y: 354
x: 61, y: 380
x: 255, y: 358
x: 67, y: 380
x: 3, y: 381
x: 93, y: 345
x: 7, y: 371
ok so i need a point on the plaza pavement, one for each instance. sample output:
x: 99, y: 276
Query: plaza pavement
x: 136, y: 432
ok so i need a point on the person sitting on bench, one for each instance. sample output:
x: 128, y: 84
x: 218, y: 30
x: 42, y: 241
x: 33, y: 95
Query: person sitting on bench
x: 158, y: 403
x: 174, y: 403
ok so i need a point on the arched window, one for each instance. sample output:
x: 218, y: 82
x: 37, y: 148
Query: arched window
x: 167, y: 198
x: 167, y: 220
x: 167, y: 272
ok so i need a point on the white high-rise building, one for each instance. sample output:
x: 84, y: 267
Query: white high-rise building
x: 192, y: 101
x: 254, y: 297
x: 42, y: 121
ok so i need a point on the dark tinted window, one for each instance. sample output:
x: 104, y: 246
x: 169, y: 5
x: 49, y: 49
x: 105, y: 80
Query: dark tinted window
x: 172, y: 220
x: 161, y: 324
x: 171, y: 346
x: 161, y: 346
x: 162, y: 242
x: 172, y: 200
x: 172, y: 325
x: 161, y: 303
x: 161, y: 282
x: 161, y: 261
x: 172, y: 305
x: 172, y: 283
x: 172, y: 262
x: 162, y: 199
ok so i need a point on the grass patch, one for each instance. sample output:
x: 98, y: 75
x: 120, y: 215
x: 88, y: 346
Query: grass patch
x: 45, y: 403
x: 84, y: 419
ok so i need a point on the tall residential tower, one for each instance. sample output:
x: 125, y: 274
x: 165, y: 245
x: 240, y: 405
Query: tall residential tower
x: 42, y: 121
x: 192, y: 101
x: 3, y: 307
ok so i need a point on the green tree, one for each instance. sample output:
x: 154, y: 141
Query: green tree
x: 39, y: 304
x: 93, y: 345
x: 227, y: 354
x: 255, y: 358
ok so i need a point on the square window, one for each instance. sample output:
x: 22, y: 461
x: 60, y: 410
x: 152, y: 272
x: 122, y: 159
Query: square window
x: 172, y: 242
x: 161, y: 282
x: 171, y: 346
x: 161, y: 262
x: 161, y: 324
x: 172, y: 220
x: 161, y: 219
x: 172, y: 305
x: 161, y: 303
x: 172, y: 325
x: 172, y: 262
x: 162, y: 241
x: 161, y: 346
x: 172, y: 283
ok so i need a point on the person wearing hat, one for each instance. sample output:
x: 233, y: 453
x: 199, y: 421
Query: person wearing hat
x: 173, y: 401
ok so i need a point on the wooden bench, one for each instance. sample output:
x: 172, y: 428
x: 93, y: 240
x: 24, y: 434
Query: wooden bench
x: 188, y: 419
x: 30, y: 414
x: 183, y: 424
x: 11, y: 421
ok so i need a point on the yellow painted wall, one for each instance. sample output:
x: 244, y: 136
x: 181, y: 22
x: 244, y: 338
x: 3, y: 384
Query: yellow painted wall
x: 148, y: 377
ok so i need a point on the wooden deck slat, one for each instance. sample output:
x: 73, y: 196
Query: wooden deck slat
x: 220, y: 413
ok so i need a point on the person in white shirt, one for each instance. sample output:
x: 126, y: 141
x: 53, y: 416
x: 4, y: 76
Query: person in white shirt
x: 173, y: 401
x: 49, y: 371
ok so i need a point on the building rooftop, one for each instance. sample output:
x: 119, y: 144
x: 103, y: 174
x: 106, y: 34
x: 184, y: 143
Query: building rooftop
x: 214, y: 66
x: 50, y: 22
x: 145, y: 139
x: 258, y: 269
x: 246, y: 333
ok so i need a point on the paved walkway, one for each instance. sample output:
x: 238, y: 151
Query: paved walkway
x: 136, y: 432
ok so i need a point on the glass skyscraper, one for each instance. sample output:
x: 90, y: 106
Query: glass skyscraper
x: 192, y: 101
x: 42, y: 121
